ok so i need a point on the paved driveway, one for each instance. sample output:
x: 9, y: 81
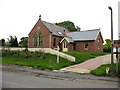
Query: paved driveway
x: 89, y: 65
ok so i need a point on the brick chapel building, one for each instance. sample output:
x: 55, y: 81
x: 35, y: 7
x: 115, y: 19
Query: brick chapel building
x: 48, y: 35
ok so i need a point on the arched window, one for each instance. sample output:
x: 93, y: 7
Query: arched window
x: 35, y: 40
x: 40, y: 38
x: 54, y: 42
x: 86, y: 46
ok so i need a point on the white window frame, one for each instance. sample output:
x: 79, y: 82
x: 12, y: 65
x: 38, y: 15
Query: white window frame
x: 86, y: 48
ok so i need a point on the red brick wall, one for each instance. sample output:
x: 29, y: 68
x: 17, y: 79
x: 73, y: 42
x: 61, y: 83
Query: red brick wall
x: 48, y: 40
x: 96, y: 44
x: 58, y: 39
x: 44, y: 31
x: 93, y: 46
x: 70, y: 47
x: 80, y: 46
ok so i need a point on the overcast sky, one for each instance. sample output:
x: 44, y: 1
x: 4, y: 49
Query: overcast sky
x: 17, y: 17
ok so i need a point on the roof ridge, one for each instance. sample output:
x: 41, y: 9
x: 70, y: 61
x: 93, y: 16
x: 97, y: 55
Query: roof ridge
x: 68, y: 37
x: 47, y: 22
x: 85, y: 30
x: 55, y: 25
x: 90, y: 30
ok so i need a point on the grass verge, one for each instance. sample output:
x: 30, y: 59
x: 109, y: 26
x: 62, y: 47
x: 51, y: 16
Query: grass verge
x: 101, y: 71
x: 83, y: 56
x: 41, y: 60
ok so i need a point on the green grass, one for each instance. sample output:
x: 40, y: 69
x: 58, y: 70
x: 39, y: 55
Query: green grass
x: 101, y: 71
x: 83, y: 56
x: 48, y: 63
x: 40, y: 60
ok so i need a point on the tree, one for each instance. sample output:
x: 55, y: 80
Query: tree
x: 24, y: 42
x: 108, y: 43
x: 2, y: 42
x: 107, y: 46
x: 13, y: 41
x: 78, y: 28
x: 68, y: 25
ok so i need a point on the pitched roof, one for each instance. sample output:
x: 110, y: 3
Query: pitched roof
x: 55, y: 29
x: 84, y: 35
x: 69, y: 39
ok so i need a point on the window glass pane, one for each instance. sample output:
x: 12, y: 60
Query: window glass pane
x: 40, y: 39
x: 86, y: 45
x: 54, y: 42
x: 35, y: 40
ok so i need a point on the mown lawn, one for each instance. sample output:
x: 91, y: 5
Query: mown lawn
x: 101, y: 71
x: 40, y: 60
x: 48, y: 63
x: 83, y: 56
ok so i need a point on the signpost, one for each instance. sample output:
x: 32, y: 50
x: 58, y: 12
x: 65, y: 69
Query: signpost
x: 116, y: 43
x: 58, y: 54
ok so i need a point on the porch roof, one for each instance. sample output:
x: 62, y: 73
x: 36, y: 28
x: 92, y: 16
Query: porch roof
x: 69, y: 39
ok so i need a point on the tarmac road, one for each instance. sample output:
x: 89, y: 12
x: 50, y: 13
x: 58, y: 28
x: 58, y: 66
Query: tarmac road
x: 12, y: 79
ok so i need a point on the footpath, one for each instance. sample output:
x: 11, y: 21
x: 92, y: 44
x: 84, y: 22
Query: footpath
x: 88, y: 65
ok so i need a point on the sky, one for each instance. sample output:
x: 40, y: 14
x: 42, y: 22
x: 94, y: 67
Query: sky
x: 18, y: 17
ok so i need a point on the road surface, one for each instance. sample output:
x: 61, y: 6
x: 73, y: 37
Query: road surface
x: 28, y: 80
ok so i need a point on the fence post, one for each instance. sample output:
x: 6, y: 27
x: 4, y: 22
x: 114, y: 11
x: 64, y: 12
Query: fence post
x: 58, y: 55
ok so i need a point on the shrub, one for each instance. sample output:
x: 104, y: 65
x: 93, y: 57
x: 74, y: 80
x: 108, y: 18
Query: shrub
x: 107, y: 49
x: 23, y: 54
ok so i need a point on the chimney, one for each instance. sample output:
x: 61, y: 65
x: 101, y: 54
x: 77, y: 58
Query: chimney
x: 40, y: 17
x: 64, y: 33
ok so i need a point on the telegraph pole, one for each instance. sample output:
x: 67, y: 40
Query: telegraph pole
x: 111, y: 38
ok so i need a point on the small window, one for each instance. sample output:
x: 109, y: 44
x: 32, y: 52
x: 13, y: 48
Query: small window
x: 74, y: 46
x: 86, y: 46
x: 54, y: 42
x: 59, y: 33
x: 38, y: 27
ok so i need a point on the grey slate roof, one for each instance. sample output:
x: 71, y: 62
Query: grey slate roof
x: 84, y: 35
x: 55, y: 29
x: 69, y: 39
x: 75, y: 36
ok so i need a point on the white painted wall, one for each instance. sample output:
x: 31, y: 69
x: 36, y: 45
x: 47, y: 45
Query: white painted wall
x: 49, y: 50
